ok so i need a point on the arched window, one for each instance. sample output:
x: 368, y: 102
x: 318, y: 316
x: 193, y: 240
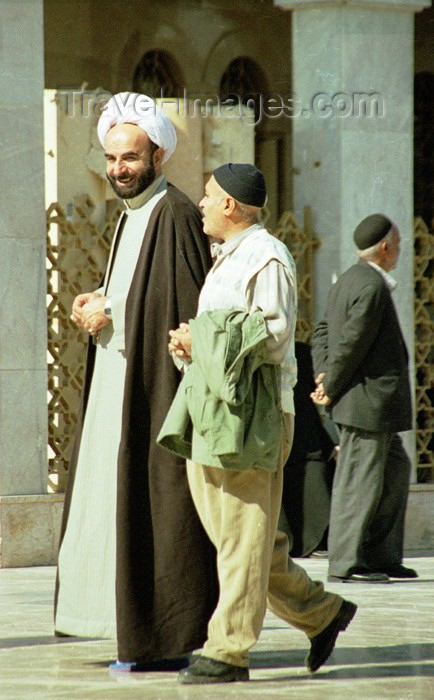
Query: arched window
x: 243, y: 81
x: 157, y: 74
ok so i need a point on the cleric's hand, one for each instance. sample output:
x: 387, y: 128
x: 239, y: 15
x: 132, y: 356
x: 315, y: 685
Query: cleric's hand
x: 93, y: 316
x: 77, y: 306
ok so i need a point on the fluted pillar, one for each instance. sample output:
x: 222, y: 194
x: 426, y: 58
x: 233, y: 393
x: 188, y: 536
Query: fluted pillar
x: 26, y: 528
x: 353, y: 131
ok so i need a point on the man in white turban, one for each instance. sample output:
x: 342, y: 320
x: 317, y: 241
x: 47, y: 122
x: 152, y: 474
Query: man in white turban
x: 133, y: 108
x: 134, y: 561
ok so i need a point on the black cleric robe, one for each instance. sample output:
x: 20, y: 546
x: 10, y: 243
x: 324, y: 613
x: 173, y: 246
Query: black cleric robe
x: 166, y: 581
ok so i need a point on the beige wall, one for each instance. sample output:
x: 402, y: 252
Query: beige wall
x: 100, y: 43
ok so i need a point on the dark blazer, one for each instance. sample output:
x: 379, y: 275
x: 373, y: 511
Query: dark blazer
x: 360, y: 347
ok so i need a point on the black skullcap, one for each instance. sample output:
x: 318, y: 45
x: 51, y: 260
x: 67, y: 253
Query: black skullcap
x: 243, y: 181
x: 371, y: 231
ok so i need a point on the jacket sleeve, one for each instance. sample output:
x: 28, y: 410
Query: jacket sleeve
x: 320, y: 347
x: 360, y: 328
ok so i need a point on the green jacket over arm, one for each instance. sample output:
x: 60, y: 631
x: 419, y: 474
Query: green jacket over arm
x: 226, y: 412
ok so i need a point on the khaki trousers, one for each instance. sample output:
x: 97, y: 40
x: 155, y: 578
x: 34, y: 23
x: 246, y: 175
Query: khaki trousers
x: 239, y: 510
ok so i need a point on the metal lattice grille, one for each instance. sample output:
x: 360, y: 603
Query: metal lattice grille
x: 77, y: 252
x: 302, y: 243
x: 424, y: 351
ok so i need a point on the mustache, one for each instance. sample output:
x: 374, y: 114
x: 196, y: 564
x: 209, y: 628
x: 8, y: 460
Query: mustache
x: 121, y: 178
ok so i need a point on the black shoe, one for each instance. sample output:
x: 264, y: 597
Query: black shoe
x: 368, y: 577
x: 206, y: 670
x: 322, y: 645
x: 399, y: 571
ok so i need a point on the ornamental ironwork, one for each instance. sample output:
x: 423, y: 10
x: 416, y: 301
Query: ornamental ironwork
x: 424, y: 349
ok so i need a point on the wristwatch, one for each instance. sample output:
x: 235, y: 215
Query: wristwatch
x: 108, y: 307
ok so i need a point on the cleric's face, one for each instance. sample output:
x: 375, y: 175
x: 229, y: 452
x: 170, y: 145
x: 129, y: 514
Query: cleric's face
x: 132, y: 160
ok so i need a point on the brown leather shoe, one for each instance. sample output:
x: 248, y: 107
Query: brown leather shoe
x: 323, y: 644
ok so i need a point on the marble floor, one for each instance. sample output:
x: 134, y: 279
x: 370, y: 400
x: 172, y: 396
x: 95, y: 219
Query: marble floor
x: 387, y: 651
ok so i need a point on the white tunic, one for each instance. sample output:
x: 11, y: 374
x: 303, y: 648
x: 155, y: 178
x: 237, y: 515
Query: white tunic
x: 87, y: 558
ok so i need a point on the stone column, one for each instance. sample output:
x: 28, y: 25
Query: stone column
x: 353, y: 131
x: 23, y: 347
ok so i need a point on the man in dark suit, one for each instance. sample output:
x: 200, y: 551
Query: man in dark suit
x: 360, y: 362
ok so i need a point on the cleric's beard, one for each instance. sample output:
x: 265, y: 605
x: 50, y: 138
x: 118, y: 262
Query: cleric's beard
x: 138, y: 184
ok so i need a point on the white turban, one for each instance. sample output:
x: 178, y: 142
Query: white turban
x: 133, y: 108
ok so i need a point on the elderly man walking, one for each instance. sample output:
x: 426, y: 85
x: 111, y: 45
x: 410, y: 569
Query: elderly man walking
x: 135, y: 562
x: 238, y: 393
x: 360, y: 360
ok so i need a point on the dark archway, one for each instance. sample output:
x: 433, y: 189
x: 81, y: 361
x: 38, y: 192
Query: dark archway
x: 244, y: 82
x: 158, y: 75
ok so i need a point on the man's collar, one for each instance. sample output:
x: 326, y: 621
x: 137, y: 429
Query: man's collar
x: 221, y: 249
x: 390, y: 282
x: 141, y: 199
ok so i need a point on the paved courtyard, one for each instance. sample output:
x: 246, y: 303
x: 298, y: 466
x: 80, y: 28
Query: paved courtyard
x: 387, y: 652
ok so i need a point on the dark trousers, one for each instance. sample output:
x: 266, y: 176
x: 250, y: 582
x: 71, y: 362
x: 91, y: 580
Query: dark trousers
x: 369, y: 499
x: 307, y: 486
